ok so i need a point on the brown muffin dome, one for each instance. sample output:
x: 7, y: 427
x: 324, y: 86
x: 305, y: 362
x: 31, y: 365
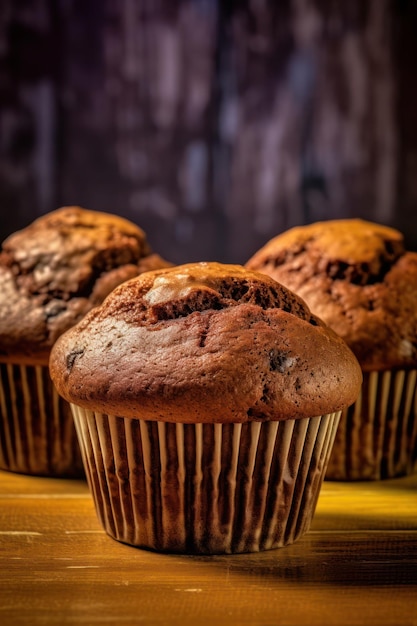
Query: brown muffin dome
x: 204, y: 342
x: 358, y: 277
x: 59, y: 267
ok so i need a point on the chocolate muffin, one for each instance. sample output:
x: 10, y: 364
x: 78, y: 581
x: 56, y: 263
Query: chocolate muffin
x: 359, y: 278
x: 52, y: 273
x: 206, y: 398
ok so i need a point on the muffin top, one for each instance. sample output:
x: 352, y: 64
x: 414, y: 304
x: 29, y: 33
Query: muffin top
x: 56, y: 269
x: 205, y: 342
x: 358, y: 277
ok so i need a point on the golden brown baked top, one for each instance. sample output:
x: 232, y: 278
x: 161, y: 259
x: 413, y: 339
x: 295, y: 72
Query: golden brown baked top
x: 358, y: 277
x: 56, y: 269
x: 204, y: 342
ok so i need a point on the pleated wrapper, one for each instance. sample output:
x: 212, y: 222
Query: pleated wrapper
x: 377, y: 435
x: 204, y: 488
x: 37, y: 432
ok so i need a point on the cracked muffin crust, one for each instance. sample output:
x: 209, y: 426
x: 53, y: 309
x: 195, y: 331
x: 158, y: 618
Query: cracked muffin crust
x: 59, y: 267
x: 204, y: 342
x: 358, y: 277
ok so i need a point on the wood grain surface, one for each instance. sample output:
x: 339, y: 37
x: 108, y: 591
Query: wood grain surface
x: 357, y: 565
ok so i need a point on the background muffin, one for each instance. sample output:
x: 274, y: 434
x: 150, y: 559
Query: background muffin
x: 358, y: 277
x: 52, y: 273
x: 206, y: 399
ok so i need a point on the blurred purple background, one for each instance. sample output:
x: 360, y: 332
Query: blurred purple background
x: 212, y: 124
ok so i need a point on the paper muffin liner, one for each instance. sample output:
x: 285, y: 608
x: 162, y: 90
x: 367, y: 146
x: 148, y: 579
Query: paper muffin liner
x: 204, y: 488
x: 377, y: 436
x: 37, y: 433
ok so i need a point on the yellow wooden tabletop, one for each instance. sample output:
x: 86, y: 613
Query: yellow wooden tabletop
x: 357, y: 565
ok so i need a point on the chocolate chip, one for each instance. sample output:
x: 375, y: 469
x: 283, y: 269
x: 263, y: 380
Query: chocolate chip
x: 71, y: 357
x: 280, y: 361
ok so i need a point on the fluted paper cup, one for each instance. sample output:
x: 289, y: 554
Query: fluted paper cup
x: 377, y: 436
x: 37, y: 433
x: 204, y: 488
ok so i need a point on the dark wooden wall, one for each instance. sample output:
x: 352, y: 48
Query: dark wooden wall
x: 212, y: 124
